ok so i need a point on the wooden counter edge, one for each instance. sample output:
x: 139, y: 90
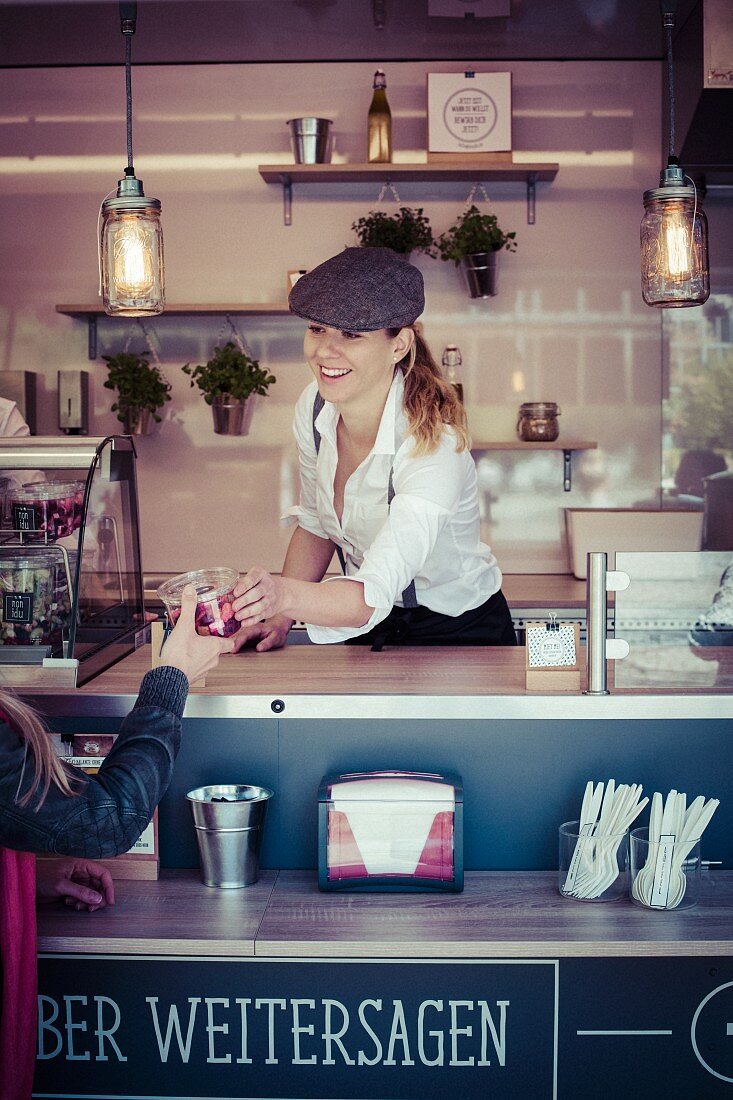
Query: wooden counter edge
x: 491, y: 949
x: 135, y: 945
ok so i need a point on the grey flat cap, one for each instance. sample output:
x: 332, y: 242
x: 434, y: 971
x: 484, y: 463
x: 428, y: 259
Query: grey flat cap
x: 360, y: 290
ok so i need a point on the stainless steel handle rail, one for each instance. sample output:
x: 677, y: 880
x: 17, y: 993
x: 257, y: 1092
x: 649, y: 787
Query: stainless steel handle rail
x: 601, y: 648
x: 596, y: 624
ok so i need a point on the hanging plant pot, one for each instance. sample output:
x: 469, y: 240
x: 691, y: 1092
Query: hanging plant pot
x: 232, y: 415
x: 137, y: 421
x: 480, y: 270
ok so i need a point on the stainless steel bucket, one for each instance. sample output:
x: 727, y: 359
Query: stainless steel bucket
x: 480, y: 271
x: 310, y: 138
x: 231, y: 415
x: 229, y: 820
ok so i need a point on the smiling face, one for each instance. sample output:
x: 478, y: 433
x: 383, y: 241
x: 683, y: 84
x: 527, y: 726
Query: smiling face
x: 354, y: 368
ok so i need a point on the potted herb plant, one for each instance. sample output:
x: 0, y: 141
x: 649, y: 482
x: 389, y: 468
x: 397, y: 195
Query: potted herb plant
x: 474, y: 243
x: 406, y: 231
x: 141, y: 390
x: 227, y: 381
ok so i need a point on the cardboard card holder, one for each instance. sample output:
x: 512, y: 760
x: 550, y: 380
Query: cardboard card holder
x: 552, y: 656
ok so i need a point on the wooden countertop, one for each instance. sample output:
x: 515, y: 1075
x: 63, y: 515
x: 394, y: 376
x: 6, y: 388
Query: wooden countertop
x: 546, y: 590
x: 177, y: 915
x: 499, y: 915
x: 342, y: 670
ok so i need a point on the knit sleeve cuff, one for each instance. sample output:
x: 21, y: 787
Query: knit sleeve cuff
x: 164, y: 687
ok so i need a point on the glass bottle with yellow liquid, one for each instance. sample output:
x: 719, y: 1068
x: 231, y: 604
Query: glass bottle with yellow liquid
x: 379, y: 126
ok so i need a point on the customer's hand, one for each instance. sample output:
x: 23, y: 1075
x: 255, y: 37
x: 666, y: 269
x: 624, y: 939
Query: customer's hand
x: 269, y: 634
x: 185, y: 649
x: 81, y: 883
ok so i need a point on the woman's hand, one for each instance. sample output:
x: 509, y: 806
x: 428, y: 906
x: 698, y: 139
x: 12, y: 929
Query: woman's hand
x: 187, y: 650
x: 269, y: 634
x: 82, y: 883
x: 258, y: 596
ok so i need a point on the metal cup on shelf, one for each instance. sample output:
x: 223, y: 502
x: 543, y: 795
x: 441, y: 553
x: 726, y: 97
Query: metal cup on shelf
x: 310, y: 139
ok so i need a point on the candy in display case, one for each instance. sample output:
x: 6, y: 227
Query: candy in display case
x: 71, y: 591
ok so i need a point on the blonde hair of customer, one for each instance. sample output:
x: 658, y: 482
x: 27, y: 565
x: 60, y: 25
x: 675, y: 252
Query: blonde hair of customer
x: 430, y: 401
x: 47, y: 765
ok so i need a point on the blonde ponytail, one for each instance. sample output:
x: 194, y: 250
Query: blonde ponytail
x: 430, y: 401
x: 47, y: 765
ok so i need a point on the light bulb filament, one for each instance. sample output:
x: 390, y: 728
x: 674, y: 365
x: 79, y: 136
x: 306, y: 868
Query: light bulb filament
x: 677, y: 247
x: 132, y: 270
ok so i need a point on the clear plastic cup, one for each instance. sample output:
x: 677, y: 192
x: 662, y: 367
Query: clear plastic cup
x: 665, y: 874
x: 593, y: 868
x: 215, y: 592
x: 48, y: 510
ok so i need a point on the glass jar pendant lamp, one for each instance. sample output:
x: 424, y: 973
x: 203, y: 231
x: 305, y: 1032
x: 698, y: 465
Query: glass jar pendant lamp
x: 130, y: 237
x: 674, y: 230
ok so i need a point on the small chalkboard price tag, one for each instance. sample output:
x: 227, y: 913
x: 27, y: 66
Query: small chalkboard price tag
x: 24, y: 517
x: 551, y: 655
x: 18, y: 607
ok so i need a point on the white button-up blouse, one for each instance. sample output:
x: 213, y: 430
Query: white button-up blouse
x: 429, y: 534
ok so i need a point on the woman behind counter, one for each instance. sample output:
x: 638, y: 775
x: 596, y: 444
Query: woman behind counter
x: 387, y: 479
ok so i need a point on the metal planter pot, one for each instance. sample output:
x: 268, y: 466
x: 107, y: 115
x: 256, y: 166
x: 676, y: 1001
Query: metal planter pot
x: 137, y: 421
x: 232, y: 415
x: 480, y: 271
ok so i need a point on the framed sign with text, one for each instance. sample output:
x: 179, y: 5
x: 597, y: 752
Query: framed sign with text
x: 552, y: 656
x: 469, y: 112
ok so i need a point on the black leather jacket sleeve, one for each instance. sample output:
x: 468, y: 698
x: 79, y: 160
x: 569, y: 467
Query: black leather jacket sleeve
x: 111, y: 809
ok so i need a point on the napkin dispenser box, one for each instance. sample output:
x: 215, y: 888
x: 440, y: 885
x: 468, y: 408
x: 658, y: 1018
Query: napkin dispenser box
x: 390, y: 831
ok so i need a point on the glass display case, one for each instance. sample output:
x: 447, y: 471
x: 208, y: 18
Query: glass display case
x: 71, y: 592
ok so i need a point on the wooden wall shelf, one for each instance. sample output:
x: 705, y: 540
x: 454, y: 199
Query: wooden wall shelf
x: 477, y: 171
x: 91, y: 313
x: 566, y: 447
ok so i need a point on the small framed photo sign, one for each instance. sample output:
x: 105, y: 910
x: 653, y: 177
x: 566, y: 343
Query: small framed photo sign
x: 552, y: 660
x: 469, y: 112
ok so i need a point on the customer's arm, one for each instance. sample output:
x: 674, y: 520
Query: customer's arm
x: 112, y: 808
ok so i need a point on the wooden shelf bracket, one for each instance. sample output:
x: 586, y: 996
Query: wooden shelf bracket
x: 287, y: 200
x: 91, y: 335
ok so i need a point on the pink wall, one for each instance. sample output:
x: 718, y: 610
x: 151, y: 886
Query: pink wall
x: 568, y: 324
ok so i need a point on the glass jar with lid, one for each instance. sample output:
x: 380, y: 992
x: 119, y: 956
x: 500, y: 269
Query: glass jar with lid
x: 29, y: 614
x: 48, y: 510
x: 537, y: 422
x: 675, y: 269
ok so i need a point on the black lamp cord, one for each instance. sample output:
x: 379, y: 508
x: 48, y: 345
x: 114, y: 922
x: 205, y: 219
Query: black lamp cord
x: 128, y: 18
x: 669, y: 9
x: 670, y: 82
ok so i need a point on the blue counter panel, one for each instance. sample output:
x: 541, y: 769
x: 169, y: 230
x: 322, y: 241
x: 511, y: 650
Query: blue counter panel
x: 521, y: 778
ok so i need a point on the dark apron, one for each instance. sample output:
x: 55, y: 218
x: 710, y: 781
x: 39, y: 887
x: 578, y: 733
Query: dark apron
x: 488, y: 624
